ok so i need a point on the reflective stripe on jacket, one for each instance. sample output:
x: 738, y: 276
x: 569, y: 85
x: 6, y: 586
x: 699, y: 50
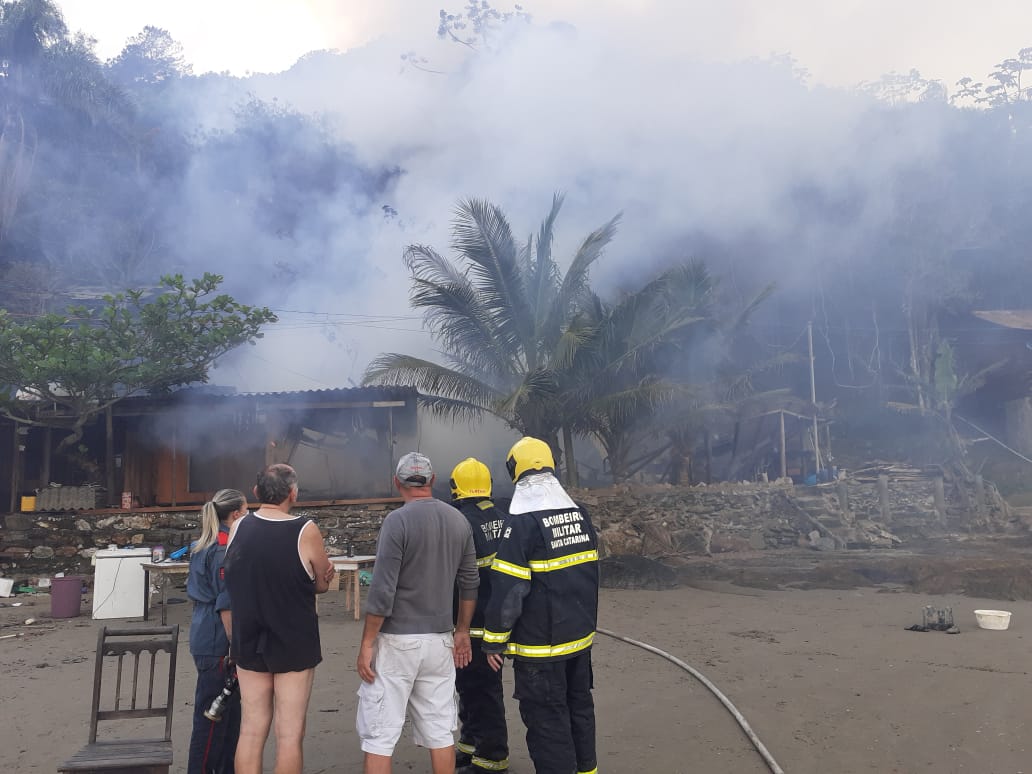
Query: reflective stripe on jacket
x: 486, y: 520
x: 544, y: 586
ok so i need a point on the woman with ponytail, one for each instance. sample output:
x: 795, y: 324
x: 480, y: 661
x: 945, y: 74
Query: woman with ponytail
x: 212, y: 744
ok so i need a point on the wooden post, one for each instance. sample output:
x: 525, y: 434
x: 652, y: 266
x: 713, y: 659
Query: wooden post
x: 843, y: 497
x: 980, y: 497
x: 109, y: 455
x: 570, y: 462
x: 47, y: 453
x: 15, y: 459
x: 783, y: 446
x: 709, y: 457
x: 883, y: 497
x: 390, y: 451
x: 175, y: 432
x: 940, y: 498
x: 813, y: 400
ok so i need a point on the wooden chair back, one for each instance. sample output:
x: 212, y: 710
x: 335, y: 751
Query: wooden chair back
x: 127, y: 646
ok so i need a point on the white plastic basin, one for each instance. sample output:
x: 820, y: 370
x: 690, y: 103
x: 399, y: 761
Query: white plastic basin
x: 993, y: 619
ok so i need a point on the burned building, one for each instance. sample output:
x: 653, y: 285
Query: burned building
x: 176, y: 450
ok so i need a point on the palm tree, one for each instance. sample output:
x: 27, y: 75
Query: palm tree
x: 624, y: 369
x: 502, y: 313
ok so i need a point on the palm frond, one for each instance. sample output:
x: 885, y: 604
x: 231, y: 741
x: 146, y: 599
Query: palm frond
x: 538, y: 388
x: 481, y: 234
x: 574, y: 284
x: 735, y: 382
x: 453, y: 409
x: 542, y: 272
x: 393, y: 369
x: 456, y: 314
x: 970, y: 383
x: 574, y: 340
x: 743, y: 315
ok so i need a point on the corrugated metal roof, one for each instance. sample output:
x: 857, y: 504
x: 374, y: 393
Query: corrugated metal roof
x: 1008, y: 318
x: 325, y: 398
x: 332, y: 392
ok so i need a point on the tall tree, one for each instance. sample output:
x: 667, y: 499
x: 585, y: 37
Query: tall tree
x: 152, y: 57
x: 625, y: 367
x: 502, y: 313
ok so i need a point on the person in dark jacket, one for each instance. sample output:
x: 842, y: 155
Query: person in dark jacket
x: 212, y: 745
x: 483, y: 739
x: 543, y: 611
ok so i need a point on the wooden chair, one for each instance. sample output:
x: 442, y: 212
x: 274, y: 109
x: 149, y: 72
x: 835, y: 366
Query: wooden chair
x: 140, y: 756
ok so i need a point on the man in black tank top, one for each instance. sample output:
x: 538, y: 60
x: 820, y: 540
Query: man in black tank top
x: 275, y: 565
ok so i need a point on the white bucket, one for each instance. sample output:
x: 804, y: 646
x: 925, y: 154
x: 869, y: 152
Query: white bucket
x: 993, y: 619
x: 6, y: 587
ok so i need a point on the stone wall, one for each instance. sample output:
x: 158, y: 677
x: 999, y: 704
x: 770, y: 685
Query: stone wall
x: 662, y: 522
x: 656, y: 521
x: 39, y: 544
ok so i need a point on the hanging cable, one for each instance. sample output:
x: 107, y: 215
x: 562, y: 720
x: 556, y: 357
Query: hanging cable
x: 760, y: 748
x: 992, y: 438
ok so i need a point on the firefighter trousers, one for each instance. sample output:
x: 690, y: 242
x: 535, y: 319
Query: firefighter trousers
x: 484, y: 737
x: 559, y: 713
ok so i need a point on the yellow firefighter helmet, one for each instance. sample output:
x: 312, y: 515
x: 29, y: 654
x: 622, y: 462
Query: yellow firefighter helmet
x: 470, y: 478
x: 529, y: 455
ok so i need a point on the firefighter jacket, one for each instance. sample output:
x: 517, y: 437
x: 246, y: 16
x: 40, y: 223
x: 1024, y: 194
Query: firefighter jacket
x: 544, y: 579
x: 486, y: 520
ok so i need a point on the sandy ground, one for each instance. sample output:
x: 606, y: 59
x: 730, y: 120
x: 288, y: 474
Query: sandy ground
x: 830, y: 681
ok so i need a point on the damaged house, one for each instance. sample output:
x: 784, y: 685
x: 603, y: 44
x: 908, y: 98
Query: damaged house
x: 177, y: 449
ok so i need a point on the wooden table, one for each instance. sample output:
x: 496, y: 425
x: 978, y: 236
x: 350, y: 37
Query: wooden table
x: 350, y: 568
x: 165, y: 570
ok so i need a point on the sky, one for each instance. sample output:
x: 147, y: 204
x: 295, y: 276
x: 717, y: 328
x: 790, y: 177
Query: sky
x: 628, y: 106
x: 841, y: 42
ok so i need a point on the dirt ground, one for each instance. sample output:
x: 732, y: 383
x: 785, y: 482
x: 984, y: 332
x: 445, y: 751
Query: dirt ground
x: 829, y: 679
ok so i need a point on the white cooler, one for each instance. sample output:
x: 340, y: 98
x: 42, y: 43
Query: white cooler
x: 118, y: 583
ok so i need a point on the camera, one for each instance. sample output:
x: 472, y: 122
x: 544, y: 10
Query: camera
x: 218, y: 705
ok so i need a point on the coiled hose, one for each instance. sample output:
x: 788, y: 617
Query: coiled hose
x: 760, y: 748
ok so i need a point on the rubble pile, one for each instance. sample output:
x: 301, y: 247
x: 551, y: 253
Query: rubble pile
x: 663, y: 521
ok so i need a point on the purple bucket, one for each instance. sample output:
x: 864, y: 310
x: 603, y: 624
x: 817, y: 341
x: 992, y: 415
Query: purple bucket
x: 65, y: 597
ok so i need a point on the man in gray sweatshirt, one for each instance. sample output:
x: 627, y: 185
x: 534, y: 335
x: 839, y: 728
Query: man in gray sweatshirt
x: 409, y: 651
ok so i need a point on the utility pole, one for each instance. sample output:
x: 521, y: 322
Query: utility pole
x: 813, y: 400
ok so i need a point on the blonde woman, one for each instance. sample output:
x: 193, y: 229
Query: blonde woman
x: 212, y: 744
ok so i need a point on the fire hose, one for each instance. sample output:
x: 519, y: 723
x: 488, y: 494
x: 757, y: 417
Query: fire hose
x: 760, y: 747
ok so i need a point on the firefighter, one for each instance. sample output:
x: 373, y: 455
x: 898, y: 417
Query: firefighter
x: 543, y: 611
x: 483, y: 741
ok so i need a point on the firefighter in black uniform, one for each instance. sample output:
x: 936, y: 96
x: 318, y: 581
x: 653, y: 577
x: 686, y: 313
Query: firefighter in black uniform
x: 543, y: 611
x: 483, y: 742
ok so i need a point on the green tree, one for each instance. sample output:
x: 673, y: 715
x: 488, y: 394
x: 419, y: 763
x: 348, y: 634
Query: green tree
x: 1004, y: 85
x: 948, y: 384
x: 478, y: 24
x: 56, y: 103
x: 149, y: 58
x: 27, y: 29
x: 502, y: 314
x: 624, y: 368
x: 62, y: 370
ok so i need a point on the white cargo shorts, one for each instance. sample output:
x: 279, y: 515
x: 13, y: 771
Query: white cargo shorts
x: 414, y: 673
